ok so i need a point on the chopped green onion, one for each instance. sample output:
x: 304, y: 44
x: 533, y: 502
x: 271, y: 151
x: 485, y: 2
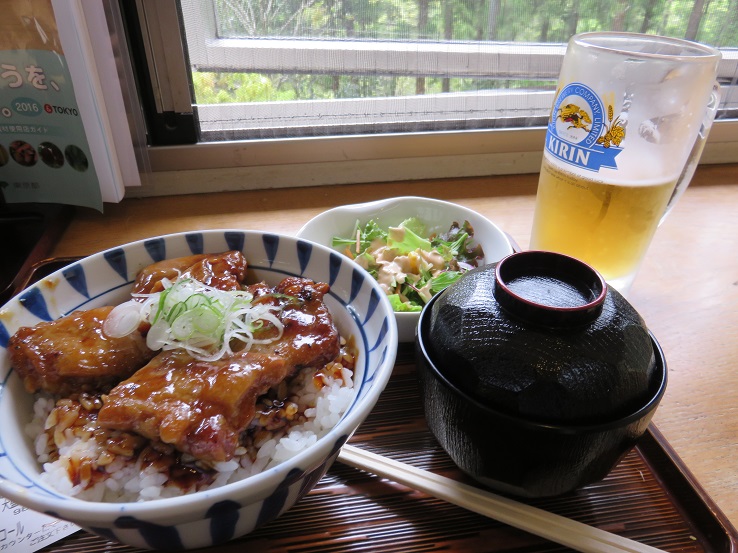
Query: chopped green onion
x: 203, y: 320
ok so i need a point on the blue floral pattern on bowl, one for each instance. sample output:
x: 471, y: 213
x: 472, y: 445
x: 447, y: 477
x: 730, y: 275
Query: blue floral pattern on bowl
x: 214, y: 516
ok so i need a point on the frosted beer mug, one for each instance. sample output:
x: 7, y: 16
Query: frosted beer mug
x: 626, y: 131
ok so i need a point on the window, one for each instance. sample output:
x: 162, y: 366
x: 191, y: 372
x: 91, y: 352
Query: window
x: 395, y: 88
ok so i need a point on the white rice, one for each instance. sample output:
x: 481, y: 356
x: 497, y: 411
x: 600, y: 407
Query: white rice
x: 68, y: 455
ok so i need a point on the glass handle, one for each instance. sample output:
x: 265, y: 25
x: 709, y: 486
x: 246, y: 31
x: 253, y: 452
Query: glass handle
x: 694, y: 156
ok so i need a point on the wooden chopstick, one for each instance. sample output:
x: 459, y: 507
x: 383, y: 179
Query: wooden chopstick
x: 539, y: 522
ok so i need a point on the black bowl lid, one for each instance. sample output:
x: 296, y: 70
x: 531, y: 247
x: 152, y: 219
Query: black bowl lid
x: 539, y: 334
x: 656, y: 389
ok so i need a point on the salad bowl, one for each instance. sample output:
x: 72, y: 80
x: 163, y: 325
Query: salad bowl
x: 215, y: 515
x: 436, y: 215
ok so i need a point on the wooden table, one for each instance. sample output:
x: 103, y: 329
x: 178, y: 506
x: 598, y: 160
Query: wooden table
x: 687, y: 289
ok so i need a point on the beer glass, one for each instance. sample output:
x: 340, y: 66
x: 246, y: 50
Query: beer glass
x: 627, y: 127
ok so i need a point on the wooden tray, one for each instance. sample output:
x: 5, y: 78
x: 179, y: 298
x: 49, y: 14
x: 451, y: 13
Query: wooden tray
x: 650, y: 497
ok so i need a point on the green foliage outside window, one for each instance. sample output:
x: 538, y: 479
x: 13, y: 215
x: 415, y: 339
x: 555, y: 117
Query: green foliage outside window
x: 713, y: 22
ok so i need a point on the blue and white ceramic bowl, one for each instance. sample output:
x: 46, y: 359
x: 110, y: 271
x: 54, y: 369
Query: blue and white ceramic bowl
x: 437, y: 216
x: 208, y: 517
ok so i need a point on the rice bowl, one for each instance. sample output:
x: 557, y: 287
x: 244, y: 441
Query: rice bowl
x: 188, y: 521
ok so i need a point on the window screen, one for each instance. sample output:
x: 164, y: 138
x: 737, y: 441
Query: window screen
x: 294, y: 68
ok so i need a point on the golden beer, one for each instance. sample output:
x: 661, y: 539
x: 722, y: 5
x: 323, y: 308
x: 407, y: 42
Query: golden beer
x: 608, y: 225
x: 629, y: 118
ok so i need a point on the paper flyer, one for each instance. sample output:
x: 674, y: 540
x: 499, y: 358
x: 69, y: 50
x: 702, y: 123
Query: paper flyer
x: 24, y: 531
x: 44, y: 150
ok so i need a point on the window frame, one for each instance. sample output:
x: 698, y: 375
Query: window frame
x: 412, y: 152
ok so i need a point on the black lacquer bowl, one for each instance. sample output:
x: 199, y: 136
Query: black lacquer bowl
x: 537, y: 378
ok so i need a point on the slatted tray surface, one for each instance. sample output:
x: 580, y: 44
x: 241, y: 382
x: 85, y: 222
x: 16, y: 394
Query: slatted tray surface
x: 649, y: 497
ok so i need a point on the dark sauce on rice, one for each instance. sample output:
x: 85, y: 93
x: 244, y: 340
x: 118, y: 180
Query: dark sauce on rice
x: 74, y: 420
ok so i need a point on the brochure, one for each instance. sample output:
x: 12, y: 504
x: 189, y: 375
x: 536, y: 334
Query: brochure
x: 64, y: 137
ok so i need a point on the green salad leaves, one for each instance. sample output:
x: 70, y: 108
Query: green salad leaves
x: 410, y: 264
